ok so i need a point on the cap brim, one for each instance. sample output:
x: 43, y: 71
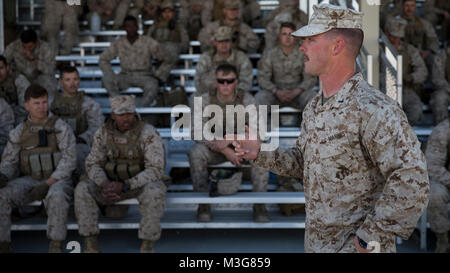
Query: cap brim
x: 308, y: 30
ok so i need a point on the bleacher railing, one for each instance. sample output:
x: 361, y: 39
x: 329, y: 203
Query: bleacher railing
x: 391, y: 65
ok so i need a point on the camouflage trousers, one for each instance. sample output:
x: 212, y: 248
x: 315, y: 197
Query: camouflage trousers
x: 264, y: 97
x: 437, y: 212
x: 201, y: 156
x: 57, y: 204
x: 412, y: 106
x: 116, y: 83
x: 151, y: 199
x: 59, y: 13
x: 439, y: 102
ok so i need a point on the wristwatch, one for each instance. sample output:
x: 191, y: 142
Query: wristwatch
x: 362, y: 243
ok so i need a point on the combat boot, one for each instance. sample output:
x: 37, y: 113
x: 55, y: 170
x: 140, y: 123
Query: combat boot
x: 204, y: 213
x: 5, y: 247
x: 147, y: 246
x: 55, y: 247
x: 91, y: 245
x: 441, y: 243
x: 260, y: 214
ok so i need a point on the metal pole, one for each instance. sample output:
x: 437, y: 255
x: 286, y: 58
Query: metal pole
x: 399, y: 79
x: 2, y: 28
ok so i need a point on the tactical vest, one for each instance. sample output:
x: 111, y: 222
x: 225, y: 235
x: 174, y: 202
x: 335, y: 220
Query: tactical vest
x: 125, y: 158
x: 415, y: 34
x: 69, y: 110
x: 39, y: 153
x: 239, y: 100
x: 8, y: 91
x: 162, y: 33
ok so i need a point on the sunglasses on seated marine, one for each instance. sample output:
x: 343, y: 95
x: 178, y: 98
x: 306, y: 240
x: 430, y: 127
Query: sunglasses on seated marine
x: 228, y: 81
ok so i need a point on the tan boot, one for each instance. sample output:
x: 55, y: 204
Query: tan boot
x: 204, y: 213
x: 147, y: 246
x: 55, y: 247
x: 5, y: 247
x: 441, y: 243
x: 260, y: 214
x: 91, y: 245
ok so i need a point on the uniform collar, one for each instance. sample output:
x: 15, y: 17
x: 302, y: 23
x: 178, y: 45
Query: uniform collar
x: 342, y: 96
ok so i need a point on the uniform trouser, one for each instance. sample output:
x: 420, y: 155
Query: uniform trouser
x: 115, y: 83
x: 82, y: 152
x: 264, y: 97
x: 412, y: 105
x: 151, y: 199
x: 57, y: 203
x: 437, y: 212
x: 57, y: 13
x: 439, y: 102
x: 201, y: 156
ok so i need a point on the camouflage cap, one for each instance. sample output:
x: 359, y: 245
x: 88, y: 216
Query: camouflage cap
x: 327, y: 17
x: 167, y: 4
x: 223, y: 33
x: 122, y: 104
x: 227, y: 182
x: 396, y: 26
x: 231, y: 4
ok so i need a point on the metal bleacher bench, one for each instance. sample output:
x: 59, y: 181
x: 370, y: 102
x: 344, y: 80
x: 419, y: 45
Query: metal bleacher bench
x: 178, y: 215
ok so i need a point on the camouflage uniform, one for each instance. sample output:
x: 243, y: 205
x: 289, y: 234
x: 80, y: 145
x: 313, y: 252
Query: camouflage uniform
x: 421, y: 34
x: 42, y: 74
x: 6, y: 123
x: 205, y: 71
x: 433, y: 9
x: 437, y: 155
x: 84, y: 115
x: 192, y: 21
x: 280, y: 71
x: 440, y: 98
x: 22, y: 179
x: 200, y: 156
x: 136, y: 67
x: 212, y: 11
x: 358, y: 135
x: 12, y: 91
x: 142, y: 151
x: 57, y: 13
x: 251, y: 13
x: 415, y: 73
x: 246, y: 40
x: 119, y: 10
x: 139, y: 9
x: 173, y: 41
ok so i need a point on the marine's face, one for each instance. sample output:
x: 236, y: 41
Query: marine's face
x: 317, y: 51
x: 70, y: 83
x: 29, y: 47
x: 131, y: 27
x: 167, y: 14
x: 125, y: 121
x: 409, y: 8
x: 226, y: 84
x: 3, y: 71
x: 285, y: 37
x: 224, y: 46
x: 196, y: 9
x: 37, y: 108
x: 395, y: 41
x: 231, y: 14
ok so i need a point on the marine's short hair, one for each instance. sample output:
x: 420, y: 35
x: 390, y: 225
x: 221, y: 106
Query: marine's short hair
x: 353, y: 38
x: 28, y: 36
x: 67, y: 69
x: 35, y: 91
x: 3, y: 59
x: 226, y: 69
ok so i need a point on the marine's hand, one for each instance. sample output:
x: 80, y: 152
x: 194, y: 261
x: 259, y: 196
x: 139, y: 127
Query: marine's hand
x: 248, y: 147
